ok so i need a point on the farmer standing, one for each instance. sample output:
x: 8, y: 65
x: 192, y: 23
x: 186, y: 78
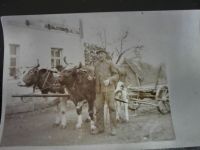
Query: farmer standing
x: 106, y: 78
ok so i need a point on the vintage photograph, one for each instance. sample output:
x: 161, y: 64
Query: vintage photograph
x: 89, y: 78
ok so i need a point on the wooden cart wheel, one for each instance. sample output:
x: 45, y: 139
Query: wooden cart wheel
x: 162, y: 96
x: 133, y: 105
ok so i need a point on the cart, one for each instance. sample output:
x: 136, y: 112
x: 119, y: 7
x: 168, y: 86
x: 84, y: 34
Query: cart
x: 143, y: 95
x: 156, y: 95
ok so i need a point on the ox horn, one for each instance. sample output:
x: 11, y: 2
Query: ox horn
x: 80, y: 65
x: 38, y: 64
x: 65, y: 61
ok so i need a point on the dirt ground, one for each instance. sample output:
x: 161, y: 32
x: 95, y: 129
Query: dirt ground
x: 36, y: 129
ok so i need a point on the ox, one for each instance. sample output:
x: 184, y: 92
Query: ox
x: 80, y: 83
x: 45, y: 80
x: 42, y: 79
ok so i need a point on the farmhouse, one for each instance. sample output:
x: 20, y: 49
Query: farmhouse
x: 29, y: 40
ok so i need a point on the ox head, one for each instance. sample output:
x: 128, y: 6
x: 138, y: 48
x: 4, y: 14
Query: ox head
x: 77, y: 73
x: 68, y: 76
x: 30, y: 78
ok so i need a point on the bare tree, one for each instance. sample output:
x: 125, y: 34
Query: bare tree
x: 121, y: 51
x: 133, y: 48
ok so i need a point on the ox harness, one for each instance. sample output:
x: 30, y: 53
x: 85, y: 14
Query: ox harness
x: 36, y: 84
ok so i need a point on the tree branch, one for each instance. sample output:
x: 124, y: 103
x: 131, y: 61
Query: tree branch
x: 126, y: 50
x: 122, y: 53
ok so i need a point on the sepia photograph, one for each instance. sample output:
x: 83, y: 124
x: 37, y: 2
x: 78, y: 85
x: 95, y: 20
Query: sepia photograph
x: 87, y: 78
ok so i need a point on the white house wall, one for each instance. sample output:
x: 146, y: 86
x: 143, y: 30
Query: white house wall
x: 37, y: 44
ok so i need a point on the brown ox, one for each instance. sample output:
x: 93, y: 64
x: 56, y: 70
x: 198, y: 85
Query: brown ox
x: 42, y: 79
x: 45, y: 80
x: 80, y: 84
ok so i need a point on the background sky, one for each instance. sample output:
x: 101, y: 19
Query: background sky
x: 159, y: 32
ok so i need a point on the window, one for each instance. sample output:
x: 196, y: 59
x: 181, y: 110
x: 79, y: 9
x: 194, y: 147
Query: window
x: 14, y: 50
x: 55, y: 57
